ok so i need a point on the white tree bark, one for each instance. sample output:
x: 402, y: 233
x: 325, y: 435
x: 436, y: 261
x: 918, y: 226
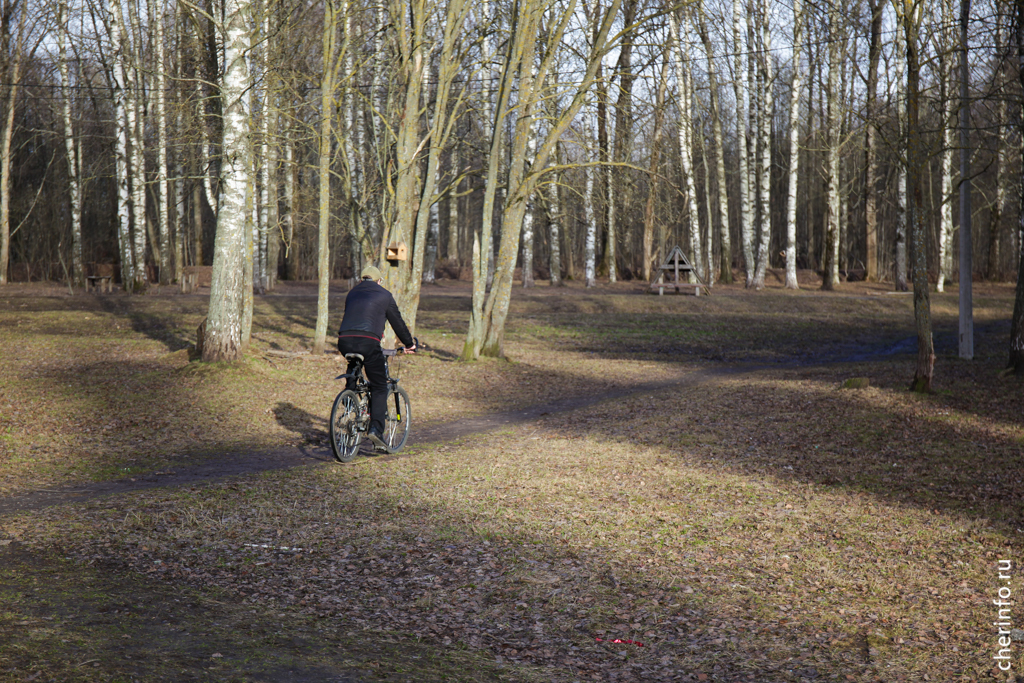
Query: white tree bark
x: 725, y: 243
x: 121, y: 132
x: 163, y: 221
x: 223, y: 340
x: 74, y: 184
x: 590, y: 245
x: 609, y: 177
x: 531, y: 155
x: 554, y: 215
x: 137, y: 165
x: 831, y: 276
x: 764, y: 225
x: 682, y: 64
x: 433, y: 239
x: 740, y: 88
x: 944, y: 49
x: 452, y: 252
x: 796, y: 93
x: 901, y: 173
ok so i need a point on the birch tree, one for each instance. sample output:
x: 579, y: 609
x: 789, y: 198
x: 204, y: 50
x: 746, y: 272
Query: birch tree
x: 74, y: 183
x: 523, y: 181
x: 652, y: 169
x: 764, y: 225
x: 830, y: 280
x: 119, y: 85
x: 870, y: 143
x: 900, y: 269
x: 683, y: 86
x: 740, y: 89
x: 725, y: 265
x: 795, y: 94
x: 137, y: 161
x: 223, y: 337
x: 943, y: 44
x: 590, y: 243
x: 414, y: 202
x: 161, y: 169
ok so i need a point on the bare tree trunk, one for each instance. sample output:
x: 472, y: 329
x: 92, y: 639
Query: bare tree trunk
x: 764, y: 230
x: 966, y: 317
x: 5, y: 155
x: 223, y: 340
x: 137, y: 166
x: 452, y: 252
x: 121, y: 107
x: 327, y: 99
x: 740, y: 86
x: 830, y: 278
x: 725, y: 262
x: 1016, y: 359
x: 796, y: 92
x: 609, y: 179
x: 522, y: 183
x: 944, y: 46
x: 163, y: 222
x: 870, y: 135
x: 590, y: 245
x: 74, y: 183
x: 901, y: 173
x: 652, y: 172
x: 554, y: 215
x: 291, y: 255
x: 682, y: 64
x: 433, y: 235
x: 911, y: 21
x: 999, y: 86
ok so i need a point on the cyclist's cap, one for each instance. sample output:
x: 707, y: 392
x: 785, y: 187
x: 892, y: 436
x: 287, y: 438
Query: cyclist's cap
x: 371, y: 273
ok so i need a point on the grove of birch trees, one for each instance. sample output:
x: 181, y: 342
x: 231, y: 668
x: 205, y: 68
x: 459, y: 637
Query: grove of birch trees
x: 508, y: 142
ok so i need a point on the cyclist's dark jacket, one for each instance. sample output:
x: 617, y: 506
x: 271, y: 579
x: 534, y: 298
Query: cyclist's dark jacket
x: 367, y: 307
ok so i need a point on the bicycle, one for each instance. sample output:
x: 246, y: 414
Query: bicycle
x: 350, y: 414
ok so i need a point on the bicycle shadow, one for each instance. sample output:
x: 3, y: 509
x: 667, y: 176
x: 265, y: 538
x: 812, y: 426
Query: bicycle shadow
x: 311, y: 428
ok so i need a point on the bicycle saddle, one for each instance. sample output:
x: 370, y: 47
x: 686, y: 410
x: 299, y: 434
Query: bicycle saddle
x: 354, y: 356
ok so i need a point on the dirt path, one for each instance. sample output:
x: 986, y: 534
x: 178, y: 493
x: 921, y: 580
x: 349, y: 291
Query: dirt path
x: 229, y: 464
x: 234, y: 463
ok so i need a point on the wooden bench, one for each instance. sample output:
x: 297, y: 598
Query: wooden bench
x: 103, y: 282
x: 194, y: 277
x: 670, y: 276
x: 681, y: 287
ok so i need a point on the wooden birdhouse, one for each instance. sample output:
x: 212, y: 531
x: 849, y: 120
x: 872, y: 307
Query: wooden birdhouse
x: 397, y: 252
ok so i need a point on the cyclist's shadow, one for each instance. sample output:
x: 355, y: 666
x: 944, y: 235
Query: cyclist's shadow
x: 312, y: 429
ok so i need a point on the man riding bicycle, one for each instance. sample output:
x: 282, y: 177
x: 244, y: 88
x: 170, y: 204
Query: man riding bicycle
x: 367, y: 307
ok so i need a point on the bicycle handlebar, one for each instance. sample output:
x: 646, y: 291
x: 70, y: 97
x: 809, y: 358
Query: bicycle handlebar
x: 402, y: 349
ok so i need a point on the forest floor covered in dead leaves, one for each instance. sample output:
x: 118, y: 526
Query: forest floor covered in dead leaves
x: 699, y: 501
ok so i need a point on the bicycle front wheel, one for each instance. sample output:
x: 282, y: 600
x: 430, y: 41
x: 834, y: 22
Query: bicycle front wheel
x: 345, y: 434
x: 396, y: 426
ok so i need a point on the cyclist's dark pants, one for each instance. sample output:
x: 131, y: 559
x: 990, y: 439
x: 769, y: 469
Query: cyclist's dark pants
x: 373, y: 365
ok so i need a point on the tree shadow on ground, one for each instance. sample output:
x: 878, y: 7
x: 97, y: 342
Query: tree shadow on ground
x: 312, y: 429
x: 164, y: 327
x: 75, y: 623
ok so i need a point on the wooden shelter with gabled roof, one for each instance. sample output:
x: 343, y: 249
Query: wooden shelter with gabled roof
x: 675, y: 274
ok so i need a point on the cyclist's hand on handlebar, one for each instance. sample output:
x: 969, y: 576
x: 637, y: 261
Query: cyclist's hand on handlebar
x: 412, y: 349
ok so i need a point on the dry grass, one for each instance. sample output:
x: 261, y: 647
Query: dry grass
x: 761, y: 525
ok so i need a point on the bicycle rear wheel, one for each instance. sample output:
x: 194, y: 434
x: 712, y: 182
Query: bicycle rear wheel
x: 345, y: 434
x: 396, y: 426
